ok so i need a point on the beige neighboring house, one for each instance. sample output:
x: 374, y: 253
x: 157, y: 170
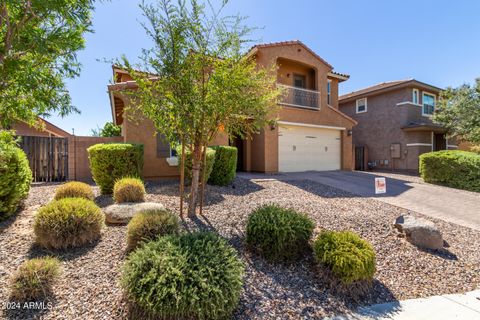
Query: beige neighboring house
x: 312, y: 133
x: 394, y: 124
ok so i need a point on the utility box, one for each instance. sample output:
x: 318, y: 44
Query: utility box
x: 395, y: 150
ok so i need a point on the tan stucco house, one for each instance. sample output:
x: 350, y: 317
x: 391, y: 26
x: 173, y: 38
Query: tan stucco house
x: 394, y: 124
x: 311, y: 134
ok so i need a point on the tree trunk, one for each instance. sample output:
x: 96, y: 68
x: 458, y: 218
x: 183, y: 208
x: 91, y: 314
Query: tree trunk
x: 182, y: 177
x: 204, y: 173
x: 196, y: 164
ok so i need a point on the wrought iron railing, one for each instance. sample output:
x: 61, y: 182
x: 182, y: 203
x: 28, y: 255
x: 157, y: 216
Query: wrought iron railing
x: 298, y: 97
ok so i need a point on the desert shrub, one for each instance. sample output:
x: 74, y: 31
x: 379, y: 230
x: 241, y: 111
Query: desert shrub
x: 129, y: 190
x: 225, y: 166
x: 349, y: 257
x: 15, y: 175
x: 68, y: 222
x: 34, y: 279
x: 74, y: 189
x: 148, y: 225
x: 277, y: 233
x: 452, y: 168
x: 188, y: 276
x: 112, y: 161
x: 188, y: 163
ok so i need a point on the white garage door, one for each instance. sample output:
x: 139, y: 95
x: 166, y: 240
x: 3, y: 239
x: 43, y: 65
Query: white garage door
x: 308, y: 148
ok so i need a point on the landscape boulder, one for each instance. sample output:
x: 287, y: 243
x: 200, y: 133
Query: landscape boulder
x: 121, y: 213
x: 420, y: 232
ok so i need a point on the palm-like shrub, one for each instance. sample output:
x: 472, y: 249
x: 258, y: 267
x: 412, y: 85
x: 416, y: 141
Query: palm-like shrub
x: 349, y: 257
x: 188, y: 276
x: 15, y: 175
x: 34, y: 279
x: 74, y: 189
x: 112, y: 161
x: 277, y: 233
x: 148, y: 225
x: 129, y: 190
x: 68, y: 222
x: 225, y: 166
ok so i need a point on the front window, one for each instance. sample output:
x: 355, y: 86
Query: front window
x: 428, y: 104
x: 329, y: 83
x: 415, y: 96
x: 362, y: 105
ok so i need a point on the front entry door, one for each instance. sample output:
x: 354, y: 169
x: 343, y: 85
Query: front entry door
x: 440, y: 142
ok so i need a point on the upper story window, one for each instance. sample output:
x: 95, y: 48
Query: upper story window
x: 415, y: 97
x: 299, y: 81
x: 361, y: 105
x: 329, y: 85
x: 428, y: 107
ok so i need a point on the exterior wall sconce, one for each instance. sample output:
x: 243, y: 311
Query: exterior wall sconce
x: 349, y: 133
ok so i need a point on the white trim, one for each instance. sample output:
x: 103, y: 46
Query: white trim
x: 451, y: 146
x: 356, y: 104
x: 423, y: 103
x: 299, y: 124
x: 418, y: 144
x: 413, y: 96
x: 409, y: 102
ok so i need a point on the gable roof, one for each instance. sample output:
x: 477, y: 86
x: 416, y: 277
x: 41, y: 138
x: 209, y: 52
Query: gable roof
x: 389, y: 85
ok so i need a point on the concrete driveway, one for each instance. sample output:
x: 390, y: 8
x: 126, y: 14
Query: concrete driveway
x: 409, y: 192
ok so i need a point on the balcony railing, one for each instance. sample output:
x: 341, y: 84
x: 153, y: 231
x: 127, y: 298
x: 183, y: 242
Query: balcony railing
x: 301, y: 98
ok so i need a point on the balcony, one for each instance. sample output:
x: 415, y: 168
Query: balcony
x: 300, y: 98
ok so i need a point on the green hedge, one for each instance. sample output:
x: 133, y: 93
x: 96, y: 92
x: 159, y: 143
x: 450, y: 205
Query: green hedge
x: 15, y: 175
x: 112, y: 161
x: 188, y: 276
x: 225, y: 165
x: 452, y: 168
x: 188, y: 162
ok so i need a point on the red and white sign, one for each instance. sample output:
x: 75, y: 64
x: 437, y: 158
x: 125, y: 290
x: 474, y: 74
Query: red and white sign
x: 380, y: 185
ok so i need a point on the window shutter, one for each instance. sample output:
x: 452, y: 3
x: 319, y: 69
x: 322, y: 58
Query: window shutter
x: 163, y: 147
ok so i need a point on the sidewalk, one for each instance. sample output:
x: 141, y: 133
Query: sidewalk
x: 447, y: 307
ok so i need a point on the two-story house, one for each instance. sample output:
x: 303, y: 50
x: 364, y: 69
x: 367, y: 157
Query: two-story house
x: 311, y: 134
x: 394, y: 124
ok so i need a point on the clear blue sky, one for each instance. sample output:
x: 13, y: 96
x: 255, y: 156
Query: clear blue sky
x: 437, y: 42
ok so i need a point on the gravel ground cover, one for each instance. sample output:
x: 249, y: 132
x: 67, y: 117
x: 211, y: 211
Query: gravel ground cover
x: 89, y: 289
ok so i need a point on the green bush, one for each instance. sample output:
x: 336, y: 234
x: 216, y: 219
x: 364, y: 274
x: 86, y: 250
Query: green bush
x: 15, y: 175
x: 112, y: 161
x: 225, y: 166
x: 452, y: 168
x: 74, y: 189
x: 188, y: 163
x: 188, y: 276
x: 68, y: 222
x: 129, y: 190
x: 34, y: 279
x: 348, y: 256
x: 148, y: 225
x: 277, y: 233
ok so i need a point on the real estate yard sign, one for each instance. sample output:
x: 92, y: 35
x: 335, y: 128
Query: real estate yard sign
x: 380, y: 185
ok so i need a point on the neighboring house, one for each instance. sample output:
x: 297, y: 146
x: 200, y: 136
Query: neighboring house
x: 47, y: 130
x: 312, y: 134
x: 394, y: 123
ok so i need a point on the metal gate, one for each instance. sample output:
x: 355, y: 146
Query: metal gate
x: 48, y: 157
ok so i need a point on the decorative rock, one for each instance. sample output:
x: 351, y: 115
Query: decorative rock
x: 420, y: 232
x: 121, y: 213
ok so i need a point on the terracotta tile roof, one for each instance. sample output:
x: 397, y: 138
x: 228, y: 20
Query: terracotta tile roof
x: 380, y: 86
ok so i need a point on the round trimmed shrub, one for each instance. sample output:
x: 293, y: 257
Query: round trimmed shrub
x: 148, y: 225
x: 112, y: 161
x: 68, y: 222
x: 188, y: 276
x: 34, y: 279
x: 74, y: 189
x: 15, y: 175
x: 349, y: 257
x: 188, y: 163
x: 225, y: 166
x: 278, y: 234
x: 129, y: 190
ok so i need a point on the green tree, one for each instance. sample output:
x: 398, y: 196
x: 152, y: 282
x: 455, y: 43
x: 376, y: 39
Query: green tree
x: 197, y: 81
x: 108, y: 130
x: 458, y: 110
x: 38, y: 44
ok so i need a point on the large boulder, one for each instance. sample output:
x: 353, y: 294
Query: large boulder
x: 121, y: 213
x: 420, y: 232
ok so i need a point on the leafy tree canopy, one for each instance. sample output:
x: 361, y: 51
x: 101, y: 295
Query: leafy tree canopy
x: 39, y: 40
x: 108, y: 130
x: 458, y: 110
